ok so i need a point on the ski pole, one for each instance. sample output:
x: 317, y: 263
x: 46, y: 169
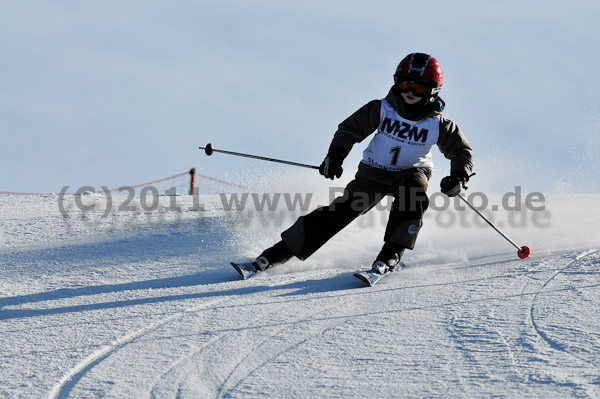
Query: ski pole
x: 523, y: 252
x: 209, y: 150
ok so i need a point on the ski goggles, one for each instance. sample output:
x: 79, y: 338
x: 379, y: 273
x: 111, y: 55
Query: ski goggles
x: 418, y: 90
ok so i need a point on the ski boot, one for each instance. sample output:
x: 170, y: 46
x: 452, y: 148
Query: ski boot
x: 388, y: 259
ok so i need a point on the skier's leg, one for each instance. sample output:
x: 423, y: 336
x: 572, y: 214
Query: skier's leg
x: 406, y: 217
x: 312, y: 231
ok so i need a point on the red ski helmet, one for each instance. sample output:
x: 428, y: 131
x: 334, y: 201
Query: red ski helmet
x: 421, y: 68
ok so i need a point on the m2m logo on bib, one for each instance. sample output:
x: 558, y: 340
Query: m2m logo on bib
x: 404, y: 130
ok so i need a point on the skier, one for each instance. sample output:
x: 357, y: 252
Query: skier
x: 397, y: 162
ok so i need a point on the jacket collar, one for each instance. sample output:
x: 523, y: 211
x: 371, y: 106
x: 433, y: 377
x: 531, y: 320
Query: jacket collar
x: 415, y: 113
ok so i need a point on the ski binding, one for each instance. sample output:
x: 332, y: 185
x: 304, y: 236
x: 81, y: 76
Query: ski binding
x: 371, y: 278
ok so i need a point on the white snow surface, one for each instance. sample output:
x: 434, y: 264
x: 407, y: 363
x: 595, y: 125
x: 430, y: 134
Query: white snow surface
x: 144, y: 304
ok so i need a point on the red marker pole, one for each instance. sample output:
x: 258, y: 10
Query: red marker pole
x: 192, y: 180
x: 523, y: 252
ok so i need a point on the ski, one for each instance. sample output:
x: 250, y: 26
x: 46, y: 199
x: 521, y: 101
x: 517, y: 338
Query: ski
x: 246, y: 270
x: 371, y: 278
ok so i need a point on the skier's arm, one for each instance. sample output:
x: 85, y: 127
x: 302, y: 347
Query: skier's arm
x: 453, y: 144
x: 357, y: 127
x: 353, y: 130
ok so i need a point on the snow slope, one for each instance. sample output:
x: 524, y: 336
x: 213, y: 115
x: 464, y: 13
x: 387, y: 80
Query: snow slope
x: 143, y: 304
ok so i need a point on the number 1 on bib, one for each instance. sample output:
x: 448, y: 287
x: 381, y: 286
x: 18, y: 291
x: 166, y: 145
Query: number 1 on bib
x: 395, y: 151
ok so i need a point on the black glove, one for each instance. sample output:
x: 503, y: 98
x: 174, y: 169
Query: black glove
x: 332, y: 164
x: 451, y: 185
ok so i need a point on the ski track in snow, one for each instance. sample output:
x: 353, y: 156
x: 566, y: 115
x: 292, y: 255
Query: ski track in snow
x: 589, y: 355
x: 267, y: 342
x: 553, y: 343
x: 254, y: 357
x: 142, y: 313
x: 68, y: 381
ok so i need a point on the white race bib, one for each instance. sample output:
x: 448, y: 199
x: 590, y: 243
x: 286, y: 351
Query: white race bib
x: 400, y: 143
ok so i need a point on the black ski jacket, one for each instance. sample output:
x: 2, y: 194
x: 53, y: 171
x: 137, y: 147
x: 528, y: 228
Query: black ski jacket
x: 361, y: 124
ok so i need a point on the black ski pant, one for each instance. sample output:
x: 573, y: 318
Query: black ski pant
x: 312, y: 231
